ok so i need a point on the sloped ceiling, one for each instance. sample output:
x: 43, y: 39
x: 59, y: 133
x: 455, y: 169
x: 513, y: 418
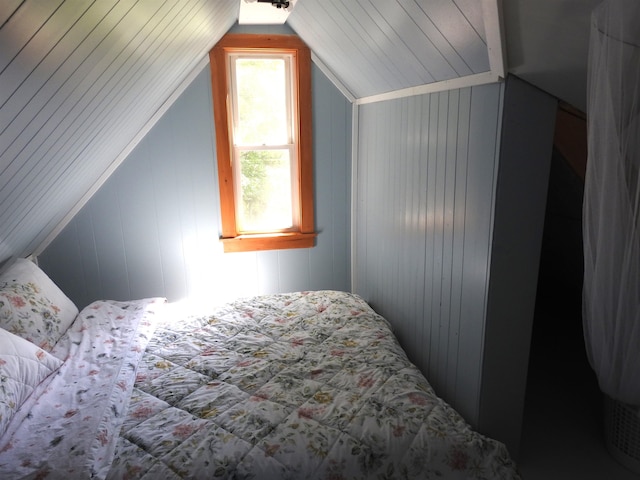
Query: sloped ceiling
x: 381, y: 45
x: 81, y: 80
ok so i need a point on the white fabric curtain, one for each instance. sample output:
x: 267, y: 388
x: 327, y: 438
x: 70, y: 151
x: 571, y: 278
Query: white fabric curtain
x: 611, y: 212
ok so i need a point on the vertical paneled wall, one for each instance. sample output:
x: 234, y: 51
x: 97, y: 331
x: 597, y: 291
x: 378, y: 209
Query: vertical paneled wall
x: 426, y: 181
x: 451, y: 191
x: 152, y: 229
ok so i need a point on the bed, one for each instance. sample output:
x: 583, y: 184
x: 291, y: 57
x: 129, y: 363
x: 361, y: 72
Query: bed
x: 296, y: 385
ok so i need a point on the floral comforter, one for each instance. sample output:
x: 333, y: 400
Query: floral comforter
x: 308, y: 385
x: 303, y: 385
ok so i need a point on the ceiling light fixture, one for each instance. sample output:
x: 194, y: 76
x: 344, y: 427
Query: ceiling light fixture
x: 276, y: 3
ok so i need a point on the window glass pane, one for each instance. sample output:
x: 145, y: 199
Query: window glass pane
x: 265, y: 190
x: 262, y: 90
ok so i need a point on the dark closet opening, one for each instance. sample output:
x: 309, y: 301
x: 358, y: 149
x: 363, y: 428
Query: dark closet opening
x: 558, y: 359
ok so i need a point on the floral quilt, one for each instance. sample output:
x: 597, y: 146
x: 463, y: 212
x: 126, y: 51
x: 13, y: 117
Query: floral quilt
x: 309, y: 385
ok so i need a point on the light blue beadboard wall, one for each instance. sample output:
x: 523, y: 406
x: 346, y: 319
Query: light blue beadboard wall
x: 426, y: 180
x: 152, y: 229
x: 450, y: 195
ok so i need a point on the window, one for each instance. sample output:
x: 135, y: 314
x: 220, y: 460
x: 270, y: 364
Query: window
x: 262, y: 113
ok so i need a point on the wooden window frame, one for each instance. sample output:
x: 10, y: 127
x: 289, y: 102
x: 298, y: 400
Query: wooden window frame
x: 304, y: 235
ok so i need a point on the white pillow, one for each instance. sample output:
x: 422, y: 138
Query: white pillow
x: 32, y: 306
x: 22, y: 367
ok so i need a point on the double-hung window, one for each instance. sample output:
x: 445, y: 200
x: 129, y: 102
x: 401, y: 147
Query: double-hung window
x: 262, y: 112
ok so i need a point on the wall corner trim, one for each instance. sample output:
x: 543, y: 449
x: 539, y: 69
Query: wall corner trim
x: 332, y: 77
x: 444, y: 85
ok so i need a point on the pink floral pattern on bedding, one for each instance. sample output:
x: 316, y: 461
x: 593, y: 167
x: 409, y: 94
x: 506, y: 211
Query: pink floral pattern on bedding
x: 69, y: 425
x: 25, y: 312
x: 302, y: 385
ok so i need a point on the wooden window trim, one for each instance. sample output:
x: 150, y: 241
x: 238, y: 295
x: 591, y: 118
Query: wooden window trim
x: 232, y: 240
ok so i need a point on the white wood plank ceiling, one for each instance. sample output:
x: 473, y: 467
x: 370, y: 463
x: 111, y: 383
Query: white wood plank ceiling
x: 78, y: 80
x: 81, y: 81
x: 377, y: 46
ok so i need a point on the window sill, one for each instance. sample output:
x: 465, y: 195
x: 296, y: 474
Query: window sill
x: 269, y: 241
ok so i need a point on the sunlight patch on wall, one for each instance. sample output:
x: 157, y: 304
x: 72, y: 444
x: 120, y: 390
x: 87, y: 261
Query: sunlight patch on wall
x: 213, y: 277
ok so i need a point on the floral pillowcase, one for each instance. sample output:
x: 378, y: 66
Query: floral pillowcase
x: 32, y: 306
x: 26, y: 313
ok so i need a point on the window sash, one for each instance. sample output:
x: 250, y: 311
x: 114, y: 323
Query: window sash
x: 243, y: 223
x: 294, y: 187
x: 289, y: 96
